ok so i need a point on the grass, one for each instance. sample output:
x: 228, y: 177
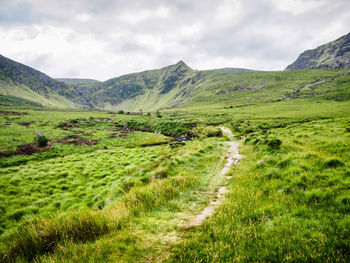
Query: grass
x: 287, y: 203
x: 120, y: 201
x: 49, y: 202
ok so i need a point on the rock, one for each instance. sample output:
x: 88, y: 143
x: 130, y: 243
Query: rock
x: 260, y: 162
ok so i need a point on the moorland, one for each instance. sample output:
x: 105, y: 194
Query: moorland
x: 115, y: 171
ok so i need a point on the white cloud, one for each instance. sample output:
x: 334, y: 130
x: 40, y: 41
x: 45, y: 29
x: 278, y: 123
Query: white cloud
x: 297, y: 7
x: 82, y: 17
x: 106, y: 38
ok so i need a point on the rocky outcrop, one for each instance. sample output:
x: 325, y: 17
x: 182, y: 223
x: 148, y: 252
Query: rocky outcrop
x: 335, y: 55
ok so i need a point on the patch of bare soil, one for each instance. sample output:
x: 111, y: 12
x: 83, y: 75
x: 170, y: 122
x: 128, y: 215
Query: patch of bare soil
x: 77, y: 140
x: 82, y: 133
x: 31, y: 148
x: 66, y: 125
x: 104, y: 119
x: 125, y: 130
x: 117, y: 135
x: 24, y: 123
x: 13, y: 112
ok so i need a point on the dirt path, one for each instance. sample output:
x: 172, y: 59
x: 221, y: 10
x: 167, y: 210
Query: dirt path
x: 233, y: 158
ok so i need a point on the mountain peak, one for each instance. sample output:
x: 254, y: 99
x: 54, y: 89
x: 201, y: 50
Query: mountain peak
x: 181, y: 63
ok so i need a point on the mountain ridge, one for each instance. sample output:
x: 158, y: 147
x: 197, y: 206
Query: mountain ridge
x: 176, y: 85
x: 335, y: 55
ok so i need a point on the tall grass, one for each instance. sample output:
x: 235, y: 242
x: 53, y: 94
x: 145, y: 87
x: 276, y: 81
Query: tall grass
x: 286, y: 204
x: 44, y: 235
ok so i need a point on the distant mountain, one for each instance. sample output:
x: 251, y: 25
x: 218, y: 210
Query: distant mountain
x: 173, y: 86
x: 76, y: 81
x: 233, y: 70
x: 335, y: 54
x: 20, y: 81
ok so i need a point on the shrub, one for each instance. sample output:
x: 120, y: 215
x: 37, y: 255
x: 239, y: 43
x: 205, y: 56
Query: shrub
x: 274, y: 143
x: 216, y: 133
x: 120, y: 112
x: 40, y: 139
x: 333, y: 163
x: 158, y: 114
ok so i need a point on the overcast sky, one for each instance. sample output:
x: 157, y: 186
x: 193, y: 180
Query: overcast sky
x: 106, y: 38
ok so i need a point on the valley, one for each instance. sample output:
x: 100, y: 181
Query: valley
x: 175, y: 165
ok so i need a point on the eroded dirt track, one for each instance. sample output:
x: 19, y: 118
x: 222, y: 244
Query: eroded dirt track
x: 233, y: 158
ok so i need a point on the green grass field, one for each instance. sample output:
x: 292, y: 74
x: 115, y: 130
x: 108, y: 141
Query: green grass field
x: 111, y: 188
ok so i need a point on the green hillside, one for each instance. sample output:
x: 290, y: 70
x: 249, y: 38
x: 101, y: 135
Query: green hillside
x: 173, y: 86
x: 180, y: 86
x: 148, y: 90
x: 232, y: 70
x: 11, y: 101
x: 24, y: 82
x: 335, y: 54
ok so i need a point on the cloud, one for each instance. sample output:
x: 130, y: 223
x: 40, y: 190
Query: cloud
x: 106, y: 38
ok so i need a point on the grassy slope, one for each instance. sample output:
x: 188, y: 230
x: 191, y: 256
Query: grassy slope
x: 24, y: 82
x: 11, y: 101
x: 173, y: 86
x: 8, y: 88
x: 232, y: 70
x: 210, y: 88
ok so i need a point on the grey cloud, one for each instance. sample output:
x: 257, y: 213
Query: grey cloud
x: 40, y: 61
x: 17, y: 13
x: 259, y: 31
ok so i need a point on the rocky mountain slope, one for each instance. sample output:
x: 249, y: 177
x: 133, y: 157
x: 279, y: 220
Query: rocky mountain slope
x: 335, y: 54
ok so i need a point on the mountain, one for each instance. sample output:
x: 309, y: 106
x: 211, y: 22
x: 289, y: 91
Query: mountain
x: 147, y: 90
x: 233, y: 70
x: 23, y: 82
x: 335, y: 54
x: 76, y: 81
x: 173, y: 86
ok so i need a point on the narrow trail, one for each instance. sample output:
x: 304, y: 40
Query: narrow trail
x: 233, y: 158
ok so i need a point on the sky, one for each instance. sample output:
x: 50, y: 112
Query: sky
x: 102, y: 39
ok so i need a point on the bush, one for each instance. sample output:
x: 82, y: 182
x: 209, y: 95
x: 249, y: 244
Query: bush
x: 274, y: 143
x: 40, y: 139
x: 120, y: 112
x: 159, y: 115
x: 333, y: 163
x: 216, y: 133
